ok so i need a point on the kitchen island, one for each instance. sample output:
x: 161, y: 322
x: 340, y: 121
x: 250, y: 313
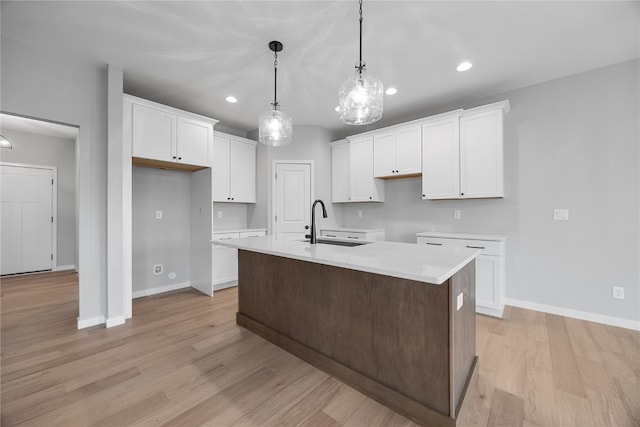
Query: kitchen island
x: 395, y: 321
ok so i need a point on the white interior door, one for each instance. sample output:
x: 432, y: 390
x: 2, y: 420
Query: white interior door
x: 26, y: 219
x: 292, y: 201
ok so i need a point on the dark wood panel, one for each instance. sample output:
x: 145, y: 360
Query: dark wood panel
x: 388, y: 397
x: 393, y: 330
x: 463, y: 330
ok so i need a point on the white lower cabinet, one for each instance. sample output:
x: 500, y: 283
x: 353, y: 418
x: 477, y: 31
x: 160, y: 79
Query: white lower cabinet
x: 490, y: 265
x: 225, y: 260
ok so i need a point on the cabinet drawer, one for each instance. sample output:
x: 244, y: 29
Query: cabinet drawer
x: 343, y: 234
x: 487, y: 247
x: 225, y: 236
x: 252, y: 233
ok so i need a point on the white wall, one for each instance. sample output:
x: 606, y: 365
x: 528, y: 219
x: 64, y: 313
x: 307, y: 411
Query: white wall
x: 163, y: 241
x: 569, y: 143
x: 44, y: 150
x: 41, y: 84
x: 309, y: 143
x: 234, y: 216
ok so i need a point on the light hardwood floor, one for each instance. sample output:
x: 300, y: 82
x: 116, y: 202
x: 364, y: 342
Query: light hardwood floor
x: 183, y: 361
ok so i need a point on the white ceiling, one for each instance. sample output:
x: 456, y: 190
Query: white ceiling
x: 191, y: 55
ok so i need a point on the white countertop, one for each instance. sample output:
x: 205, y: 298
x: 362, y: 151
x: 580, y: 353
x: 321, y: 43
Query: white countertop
x: 466, y: 236
x: 405, y: 260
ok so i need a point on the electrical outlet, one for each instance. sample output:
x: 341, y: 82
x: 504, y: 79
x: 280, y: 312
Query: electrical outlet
x: 456, y: 214
x: 219, y: 214
x: 172, y: 275
x: 359, y: 214
x: 617, y: 292
x: 157, y: 269
x: 561, y: 214
x: 158, y: 214
x: 459, y: 301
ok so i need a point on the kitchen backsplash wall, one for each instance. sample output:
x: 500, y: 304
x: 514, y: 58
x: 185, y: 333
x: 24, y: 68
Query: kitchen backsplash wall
x: 229, y: 216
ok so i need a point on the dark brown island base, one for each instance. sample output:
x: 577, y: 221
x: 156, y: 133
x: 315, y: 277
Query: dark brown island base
x: 401, y: 342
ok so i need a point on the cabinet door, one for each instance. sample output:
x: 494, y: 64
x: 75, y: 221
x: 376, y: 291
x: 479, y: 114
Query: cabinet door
x: 487, y: 277
x: 225, y: 265
x: 384, y: 154
x: 440, y: 159
x: 340, y: 173
x: 153, y: 134
x: 361, y: 169
x: 243, y: 172
x: 481, y: 157
x: 195, y: 142
x: 220, y: 169
x: 408, y: 150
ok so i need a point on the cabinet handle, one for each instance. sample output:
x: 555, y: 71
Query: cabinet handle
x: 330, y: 235
x: 434, y: 244
x: 174, y: 157
x: 424, y: 195
x: 179, y: 158
x: 475, y: 247
x: 225, y: 238
x: 462, y: 194
x: 370, y: 197
x: 352, y: 237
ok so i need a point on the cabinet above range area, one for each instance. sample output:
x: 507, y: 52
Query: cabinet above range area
x: 458, y: 154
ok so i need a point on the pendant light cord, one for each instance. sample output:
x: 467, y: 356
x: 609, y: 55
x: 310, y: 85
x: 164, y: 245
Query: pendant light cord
x: 275, y: 81
x: 360, y: 66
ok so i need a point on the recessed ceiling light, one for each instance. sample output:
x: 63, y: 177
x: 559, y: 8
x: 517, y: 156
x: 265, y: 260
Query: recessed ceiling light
x: 464, y: 66
x: 337, y: 108
x: 231, y: 99
x: 391, y: 91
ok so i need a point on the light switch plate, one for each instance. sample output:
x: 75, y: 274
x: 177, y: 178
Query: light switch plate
x: 456, y: 214
x: 219, y: 214
x: 561, y: 214
x: 158, y: 214
x: 359, y: 214
x: 459, y: 301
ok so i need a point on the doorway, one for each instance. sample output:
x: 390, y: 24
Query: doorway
x: 292, y: 195
x: 28, y: 197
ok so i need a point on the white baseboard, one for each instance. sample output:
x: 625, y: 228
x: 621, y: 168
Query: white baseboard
x: 224, y: 285
x: 65, y: 267
x: 115, y: 321
x: 489, y: 311
x: 159, y: 290
x: 576, y: 314
x: 86, y: 323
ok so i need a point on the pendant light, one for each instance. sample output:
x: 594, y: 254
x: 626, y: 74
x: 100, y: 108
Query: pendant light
x: 360, y: 96
x: 274, y: 125
x: 4, y: 143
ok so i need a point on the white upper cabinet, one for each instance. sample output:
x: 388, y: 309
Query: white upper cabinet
x: 340, y: 172
x: 396, y: 152
x: 352, y: 172
x: 163, y: 136
x: 234, y: 169
x: 481, y: 153
x: 441, y: 157
x: 363, y: 186
x: 462, y: 154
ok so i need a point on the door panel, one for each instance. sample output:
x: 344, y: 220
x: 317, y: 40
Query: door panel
x: 441, y: 160
x: 292, y: 199
x: 194, y: 142
x: 26, y: 200
x: 154, y: 133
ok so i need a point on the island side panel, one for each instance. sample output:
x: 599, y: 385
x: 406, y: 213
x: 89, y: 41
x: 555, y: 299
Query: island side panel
x: 463, y: 330
x: 393, y: 330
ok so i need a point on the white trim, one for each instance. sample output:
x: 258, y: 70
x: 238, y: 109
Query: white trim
x: 274, y: 168
x: 576, y: 314
x: 65, y: 267
x: 115, y: 321
x: 86, y: 323
x: 224, y: 285
x: 495, y: 312
x: 160, y: 290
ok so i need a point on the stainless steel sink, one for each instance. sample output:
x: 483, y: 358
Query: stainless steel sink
x: 338, y: 242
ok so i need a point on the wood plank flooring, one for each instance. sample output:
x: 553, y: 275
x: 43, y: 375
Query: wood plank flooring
x: 182, y: 361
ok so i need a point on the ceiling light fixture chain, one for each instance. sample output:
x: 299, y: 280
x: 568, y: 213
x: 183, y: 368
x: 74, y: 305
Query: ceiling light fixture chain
x: 360, y: 66
x: 275, y: 80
